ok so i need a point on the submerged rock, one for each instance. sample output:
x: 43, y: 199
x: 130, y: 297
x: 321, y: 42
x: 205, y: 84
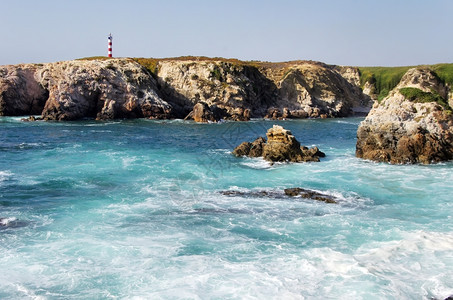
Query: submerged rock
x: 251, y: 193
x: 310, y: 194
x: 291, y: 192
x: 281, y: 146
x: 11, y: 222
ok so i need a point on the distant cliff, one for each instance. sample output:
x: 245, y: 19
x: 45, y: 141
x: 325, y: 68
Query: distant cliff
x: 170, y: 88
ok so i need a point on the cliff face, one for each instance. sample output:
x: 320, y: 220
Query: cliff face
x: 298, y: 89
x: 412, y: 124
x: 122, y: 88
x: 233, y: 88
x: 78, y: 89
x: 20, y: 92
x: 320, y: 90
x: 103, y: 89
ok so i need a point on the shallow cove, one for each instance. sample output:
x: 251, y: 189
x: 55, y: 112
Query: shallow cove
x: 134, y: 209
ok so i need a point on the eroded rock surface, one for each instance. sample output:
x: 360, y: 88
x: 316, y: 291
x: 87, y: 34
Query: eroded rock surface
x: 281, y: 146
x: 310, y: 194
x: 21, y: 93
x: 122, y: 88
x: 71, y: 90
x: 412, y: 125
x: 289, y: 192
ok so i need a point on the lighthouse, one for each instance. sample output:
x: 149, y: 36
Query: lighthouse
x: 110, y: 38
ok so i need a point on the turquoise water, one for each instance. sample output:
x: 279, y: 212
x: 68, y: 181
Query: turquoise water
x: 133, y: 209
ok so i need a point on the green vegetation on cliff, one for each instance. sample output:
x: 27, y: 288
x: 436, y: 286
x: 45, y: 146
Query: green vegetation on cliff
x: 95, y: 58
x: 445, y: 72
x: 149, y: 63
x: 384, y: 79
x: 419, y: 96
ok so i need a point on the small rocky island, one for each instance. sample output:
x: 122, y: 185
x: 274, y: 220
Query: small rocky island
x: 281, y: 146
x: 413, y: 124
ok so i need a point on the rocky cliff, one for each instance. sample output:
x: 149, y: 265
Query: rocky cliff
x: 231, y: 89
x: 413, y: 124
x: 281, y: 90
x: 109, y: 89
x: 320, y: 90
x: 20, y: 91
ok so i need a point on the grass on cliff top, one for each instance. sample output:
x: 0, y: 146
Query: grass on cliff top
x: 152, y: 63
x: 384, y: 79
x: 445, y: 72
x: 95, y: 58
x: 419, y: 96
x: 387, y: 78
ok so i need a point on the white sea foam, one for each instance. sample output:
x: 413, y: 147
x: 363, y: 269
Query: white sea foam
x: 415, y: 263
x: 128, y: 161
x: 6, y: 221
x: 343, y: 121
x: 256, y: 163
x: 5, y: 175
x: 30, y: 145
x: 29, y: 293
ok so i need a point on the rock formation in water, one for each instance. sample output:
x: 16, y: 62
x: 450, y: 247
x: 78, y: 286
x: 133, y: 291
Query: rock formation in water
x: 310, y: 194
x: 281, y: 146
x: 289, y: 192
x: 413, y: 124
x: 226, y: 89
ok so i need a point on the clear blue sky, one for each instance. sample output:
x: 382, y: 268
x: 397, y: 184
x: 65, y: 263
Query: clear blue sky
x: 351, y: 32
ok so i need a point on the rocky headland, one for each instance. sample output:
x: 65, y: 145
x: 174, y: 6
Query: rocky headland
x: 201, y: 89
x: 409, y: 114
x: 413, y: 124
x: 72, y: 90
x: 281, y: 146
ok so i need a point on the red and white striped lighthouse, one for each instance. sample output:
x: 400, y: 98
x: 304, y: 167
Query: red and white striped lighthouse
x: 110, y: 45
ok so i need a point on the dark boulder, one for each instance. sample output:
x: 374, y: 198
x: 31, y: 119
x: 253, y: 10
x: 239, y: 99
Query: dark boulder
x: 203, y: 113
x: 310, y: 194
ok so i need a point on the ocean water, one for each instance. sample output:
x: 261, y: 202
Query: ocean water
x: 134, y: 209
